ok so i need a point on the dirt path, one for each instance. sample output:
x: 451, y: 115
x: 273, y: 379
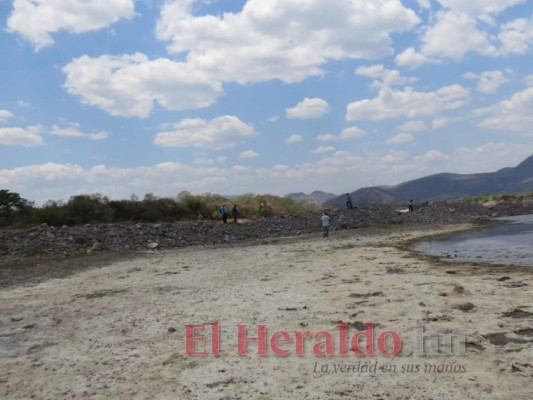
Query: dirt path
x: 119, y: 331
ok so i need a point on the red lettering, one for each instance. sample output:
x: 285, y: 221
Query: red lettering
x: 243, y: 339
x: 324, y: 348
x: 396, y: 343
x: 368, y: 335
x: 215, y: 339
x: 300, y: 336
x: 190, y: 340
x: 343, y: 332
x: 285, y: 338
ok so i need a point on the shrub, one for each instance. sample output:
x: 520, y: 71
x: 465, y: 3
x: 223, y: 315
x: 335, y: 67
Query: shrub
x: 53, y: 215
x: 89, y: 208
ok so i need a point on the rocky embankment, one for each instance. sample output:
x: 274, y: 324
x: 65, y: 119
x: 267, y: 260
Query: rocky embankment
x: 69, y: 240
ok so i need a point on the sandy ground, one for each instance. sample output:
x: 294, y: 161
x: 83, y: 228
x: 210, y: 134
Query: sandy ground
x: 119, y: 331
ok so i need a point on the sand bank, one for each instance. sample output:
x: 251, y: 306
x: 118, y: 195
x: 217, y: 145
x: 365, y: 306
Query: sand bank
x: 119, y: 331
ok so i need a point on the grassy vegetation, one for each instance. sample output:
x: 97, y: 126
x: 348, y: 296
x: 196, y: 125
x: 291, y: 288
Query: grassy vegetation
x: 95, y: 208
x: 497, y: 197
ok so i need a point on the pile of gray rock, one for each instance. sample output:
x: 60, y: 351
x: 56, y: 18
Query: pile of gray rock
x: 423, y: 213
x: 508, y: 208
x: 68, y: 240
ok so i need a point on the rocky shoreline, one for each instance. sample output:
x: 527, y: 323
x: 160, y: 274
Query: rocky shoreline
x: 44, y: 240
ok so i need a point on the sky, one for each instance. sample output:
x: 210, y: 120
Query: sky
x: 123, y: 97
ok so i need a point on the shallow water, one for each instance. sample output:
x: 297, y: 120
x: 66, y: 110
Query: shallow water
x: 508, y: 244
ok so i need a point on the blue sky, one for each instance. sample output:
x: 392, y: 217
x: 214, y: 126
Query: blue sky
x: 124, y: 97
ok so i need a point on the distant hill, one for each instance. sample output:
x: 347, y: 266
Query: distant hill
x: 442, y: 186
x: 317, y: 197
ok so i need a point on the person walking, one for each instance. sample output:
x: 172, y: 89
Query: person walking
x: 262, y: 209
x: 325, y: 224
x: 224, y: 211
x: 235, y: 213
x: 349, y: 201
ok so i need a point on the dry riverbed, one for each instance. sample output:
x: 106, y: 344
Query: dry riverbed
x: 119, y: 331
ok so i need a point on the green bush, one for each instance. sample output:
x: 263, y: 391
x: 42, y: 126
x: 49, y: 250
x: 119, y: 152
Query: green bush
x: 91, y: 208
x: 95, y: 208
x: 53, y: 215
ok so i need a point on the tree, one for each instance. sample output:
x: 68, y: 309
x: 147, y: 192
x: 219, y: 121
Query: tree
x: 89, y: 208
x: 11, y: 203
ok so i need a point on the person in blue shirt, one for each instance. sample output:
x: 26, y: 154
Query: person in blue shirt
x: 224, y: 212
x: 325, y: 223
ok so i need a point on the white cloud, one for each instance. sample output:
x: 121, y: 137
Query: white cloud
x: 490, y: 156
x: 240, y: 169
x: 401, y: 138
x: 5, y: 115
x: 431, y: 156
x: 308, y: 39
x: 453, y: 35
x: 352, y: 132
x: 347, y: 133
x: 221, y: 132
x: 60, y: 181
x: 440, y: 122
x: 383, y: 76
x: 394, y: 157
x: 326, y: 138
x: 308, y: 109
x: 35, y: 20
x: 479, y: 7
x: 208, y: 161
x: 488, y: 81
x: 407, y: 103
x: 128, y: 85
x: 285, y: 39
x: 424, y: 4
x: 248, y: 154
x: 528, y: 80
x: 23, y: 104
x: 413, y: 126
x: 409, y: 58
x: 36, y: 178
x: 74, y: 131
x: 63, y: 180
x: 294, y: 139
x: 27, y: 137
x: 516, y: 36
x: 512, y: 115
x: 372, y: 71
x: 323, y: 149
x: 463, y: 27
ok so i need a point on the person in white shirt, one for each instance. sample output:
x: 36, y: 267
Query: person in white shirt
x: 325, y: 224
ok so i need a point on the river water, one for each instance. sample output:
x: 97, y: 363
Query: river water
x: 508, y: 244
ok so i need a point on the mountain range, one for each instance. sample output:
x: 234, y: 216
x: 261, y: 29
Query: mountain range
x: 317, y: 197
x: 440, y: 186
